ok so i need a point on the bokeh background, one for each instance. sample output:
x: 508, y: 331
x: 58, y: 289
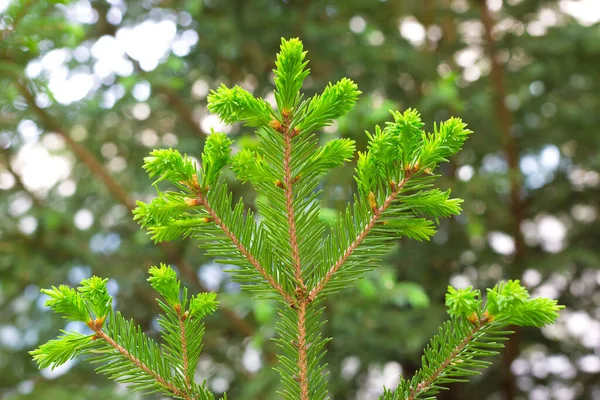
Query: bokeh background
x: 89, y: 88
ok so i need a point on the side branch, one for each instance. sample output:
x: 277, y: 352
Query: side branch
x: 425, y: 385
x: 361, y: 236
x: 101, y: 334
x: 219, y: 222
x: 117, y: 190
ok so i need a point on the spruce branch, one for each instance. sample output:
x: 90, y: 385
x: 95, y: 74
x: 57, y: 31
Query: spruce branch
x: 125, y: 353
x: 117, y: 190
x: 243, y: 250
x: 100, y: 334
x: 475, y: 331
x: 359, y: 239
x: 291, y: 254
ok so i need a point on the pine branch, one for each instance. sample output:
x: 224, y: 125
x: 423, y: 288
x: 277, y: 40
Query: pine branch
x: 289, y: 254
x: 126, y: 353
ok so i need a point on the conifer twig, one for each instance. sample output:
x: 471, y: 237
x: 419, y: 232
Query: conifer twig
x: 361, y: 236
x: 245, y: 252
x: 302, y: 347
x: 121, y: 195
x: 97, y: 328
x: 425, y: 385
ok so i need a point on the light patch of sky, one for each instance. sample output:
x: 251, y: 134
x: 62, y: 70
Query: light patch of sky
x: 468, y: 56
x: 148, y: 42
x: 28, y: 162
x: 19, y: 204
x: 587, y: 12
x: 357, y: 24
x: 106, y: 244
x: 460, y: 281
x: 10, y: 337
x: 251, y: 359
x: 214, y: 122
x: 350, y: 367
x: 501, y: 243
x: 412, y: 30
x: 49, y: 373
x: 551, y: 233
x: 81, y: 11
x: 538, y: 169
x: 110, y: 57
x: 379, y: 377
x: 4, y: 4
x: 83, y: 219
x: 212, y: 275
x: 465, y: 173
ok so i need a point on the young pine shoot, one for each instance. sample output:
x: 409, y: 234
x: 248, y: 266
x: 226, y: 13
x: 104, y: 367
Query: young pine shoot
x: 291, y: 255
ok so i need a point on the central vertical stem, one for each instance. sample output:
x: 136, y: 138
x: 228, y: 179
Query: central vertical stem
x: 289, y: 200
x: 302, y: 366
x: 301, y: 292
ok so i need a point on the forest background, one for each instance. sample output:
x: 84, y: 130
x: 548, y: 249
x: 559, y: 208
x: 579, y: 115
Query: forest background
x: 89, y: 88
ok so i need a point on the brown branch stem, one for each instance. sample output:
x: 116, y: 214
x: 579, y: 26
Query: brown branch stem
x: 359, y: 238
x: 301, y: 293
x: 302, y: 350
x: 504, y: 118
x: 186, y: 363
x: 101, y: 334
x: 424, y: 386
x: 289, y: 206
x: 261, y: 270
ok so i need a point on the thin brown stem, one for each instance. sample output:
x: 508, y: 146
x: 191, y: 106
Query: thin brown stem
x: 261, y: 270
x: 359, y: 238
x: 302, y: 350
x: 186, y: 363
x: 300, y: 286
x: 161, y: 381
x: 426, y: 384
x: 289, y: 206
x: 121, y: 195
x: 504, y: 118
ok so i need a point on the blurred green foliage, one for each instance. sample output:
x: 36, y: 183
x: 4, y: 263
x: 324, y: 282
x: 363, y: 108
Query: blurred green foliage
x: 153, y: 64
